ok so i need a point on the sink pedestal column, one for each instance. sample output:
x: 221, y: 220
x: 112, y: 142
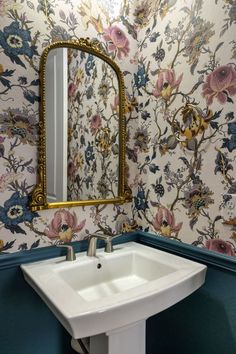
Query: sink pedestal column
x: 124, y: 340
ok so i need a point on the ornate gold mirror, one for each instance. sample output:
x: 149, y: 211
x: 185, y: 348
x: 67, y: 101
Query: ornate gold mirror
x: 82, y: 128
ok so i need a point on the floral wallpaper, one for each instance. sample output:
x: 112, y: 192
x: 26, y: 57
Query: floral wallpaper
x: 93, y: 128
x: 185, y: 144
x: 178, y: 60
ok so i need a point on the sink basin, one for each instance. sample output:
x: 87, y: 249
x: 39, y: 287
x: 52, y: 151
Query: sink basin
x: 94, y: 295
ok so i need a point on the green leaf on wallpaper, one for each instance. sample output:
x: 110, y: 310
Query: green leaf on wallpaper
x: 165, y: 131
x: 229, y: 99
x: 7, y: 73
x: 193, y: 67
x: 15, y: 229
x: 30, y: 5
x: 16, y: 59
x: 185, y: 161
x: 115, y: 149
x: 147, y: 103
x: 35, y: 82
x: 154, y: 22
x: 31, y: 96
x: 154, y: 154
x: 191, y: 144
x: 153, y: 168
x: 172, y: 142
x: 131, y: 30
x: 27, y: 163
x: 195, y: 87
x: 186, y: 10
x: 199, y: 163
x: 201, y: 232
x: 218, y: 46
x: 5, y: 82
x: 131, y: 154
x: 45, y: 7
x: 214, y: 125
x: 217, y: 218
x: 217, y: 114
x: 8, y: 245
x: 35, y: 244
x: 126, y: 73
x: 193, y: 222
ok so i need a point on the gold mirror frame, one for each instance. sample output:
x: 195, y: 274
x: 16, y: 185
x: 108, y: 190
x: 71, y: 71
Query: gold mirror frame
x: 39, y: 194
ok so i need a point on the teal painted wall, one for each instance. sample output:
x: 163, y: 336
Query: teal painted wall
x: 203, y: 323
x: 26, y: 324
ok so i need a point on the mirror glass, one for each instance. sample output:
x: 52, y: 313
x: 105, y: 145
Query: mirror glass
x: 82, y: 127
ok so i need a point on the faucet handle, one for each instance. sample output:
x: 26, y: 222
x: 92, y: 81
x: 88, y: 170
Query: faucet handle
x: 70, y: 255
x: 108, y: 243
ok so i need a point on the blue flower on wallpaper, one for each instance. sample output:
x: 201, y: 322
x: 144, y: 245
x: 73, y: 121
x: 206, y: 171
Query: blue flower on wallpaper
x: 89, y: 154
x: 15, y: 211
x: 89, y: 65
x: 141, y: 78
x: 15, y: 41
x: 140, y: 201
x: 230, y: 143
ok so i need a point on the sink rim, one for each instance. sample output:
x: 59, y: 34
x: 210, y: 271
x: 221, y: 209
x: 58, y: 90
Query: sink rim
x: 53, y: 279
x: 72, y: 313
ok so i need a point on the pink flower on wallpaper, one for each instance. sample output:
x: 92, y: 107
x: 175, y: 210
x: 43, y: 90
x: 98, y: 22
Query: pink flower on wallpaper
x: 117, y: 41
x: 220, y: 84
x: 164, y: 222
x: 63, y: 226
x: 71, y: 90
x: 115, y: 105
x: 221, y: 246
x: 95, y: 124
x: 166, y: 83
x: 71, y: 170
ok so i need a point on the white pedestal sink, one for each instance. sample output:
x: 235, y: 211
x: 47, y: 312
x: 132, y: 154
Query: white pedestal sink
x: 114, y: 293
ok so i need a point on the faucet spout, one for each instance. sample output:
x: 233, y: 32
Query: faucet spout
x: 70, y: 254
x: 92, y: 245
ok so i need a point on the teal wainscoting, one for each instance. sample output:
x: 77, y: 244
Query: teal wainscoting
x: 27, y: 326
x: 203, y: 323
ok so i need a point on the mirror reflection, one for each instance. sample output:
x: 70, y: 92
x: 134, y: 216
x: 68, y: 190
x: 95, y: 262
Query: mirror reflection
x: 82, y: 127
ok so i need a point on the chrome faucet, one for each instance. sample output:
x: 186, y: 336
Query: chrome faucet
x: 70, y: 254
x: 92, y: 243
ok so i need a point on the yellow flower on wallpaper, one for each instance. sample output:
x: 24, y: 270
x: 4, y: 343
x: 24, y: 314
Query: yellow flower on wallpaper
x: 88, y: 12
x: 1, y: 244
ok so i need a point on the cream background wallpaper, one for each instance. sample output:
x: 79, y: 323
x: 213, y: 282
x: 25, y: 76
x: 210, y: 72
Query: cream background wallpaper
x: 178, y: 60
x: 93, y: 134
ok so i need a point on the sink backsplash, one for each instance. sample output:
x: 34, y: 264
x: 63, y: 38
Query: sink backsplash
x: 180, y: 159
